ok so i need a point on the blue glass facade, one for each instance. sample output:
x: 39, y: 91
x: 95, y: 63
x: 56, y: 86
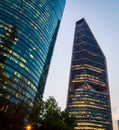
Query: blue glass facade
x: 88, y: 94
x: 28, y: 30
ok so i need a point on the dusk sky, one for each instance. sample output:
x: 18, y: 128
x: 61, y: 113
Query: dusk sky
x: 102, y: 17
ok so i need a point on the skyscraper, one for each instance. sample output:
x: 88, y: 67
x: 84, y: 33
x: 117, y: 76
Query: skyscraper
x: 116, y: 125
x: 88, y: 93
x: 28, y: 30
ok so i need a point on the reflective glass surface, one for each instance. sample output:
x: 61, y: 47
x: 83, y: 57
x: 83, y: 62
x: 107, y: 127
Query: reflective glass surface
x: 28, y: 30
x: 88, y: 94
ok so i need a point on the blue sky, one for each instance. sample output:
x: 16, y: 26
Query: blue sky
x: 103, y: 18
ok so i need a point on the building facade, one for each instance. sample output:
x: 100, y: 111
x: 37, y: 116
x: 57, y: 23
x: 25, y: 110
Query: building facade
x: 28, y: 30
x: 88, y: 93
x: 116, y: 125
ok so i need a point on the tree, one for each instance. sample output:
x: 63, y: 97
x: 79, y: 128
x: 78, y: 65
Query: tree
x: 48, y: 116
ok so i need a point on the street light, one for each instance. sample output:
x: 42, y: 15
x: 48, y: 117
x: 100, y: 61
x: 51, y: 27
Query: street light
x: 28, y: 127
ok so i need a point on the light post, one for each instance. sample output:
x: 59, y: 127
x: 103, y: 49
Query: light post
x: 28, y: 127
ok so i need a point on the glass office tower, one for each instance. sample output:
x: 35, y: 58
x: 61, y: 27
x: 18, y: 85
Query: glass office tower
x: 115, y: 124
x: 88, y: 93
x: 28, y: 30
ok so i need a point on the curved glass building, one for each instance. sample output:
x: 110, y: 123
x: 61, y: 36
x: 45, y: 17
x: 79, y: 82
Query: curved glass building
x: 28, y: 30
x: 88, y: 94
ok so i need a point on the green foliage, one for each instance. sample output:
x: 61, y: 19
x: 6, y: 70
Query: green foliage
x: 48, y: 116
